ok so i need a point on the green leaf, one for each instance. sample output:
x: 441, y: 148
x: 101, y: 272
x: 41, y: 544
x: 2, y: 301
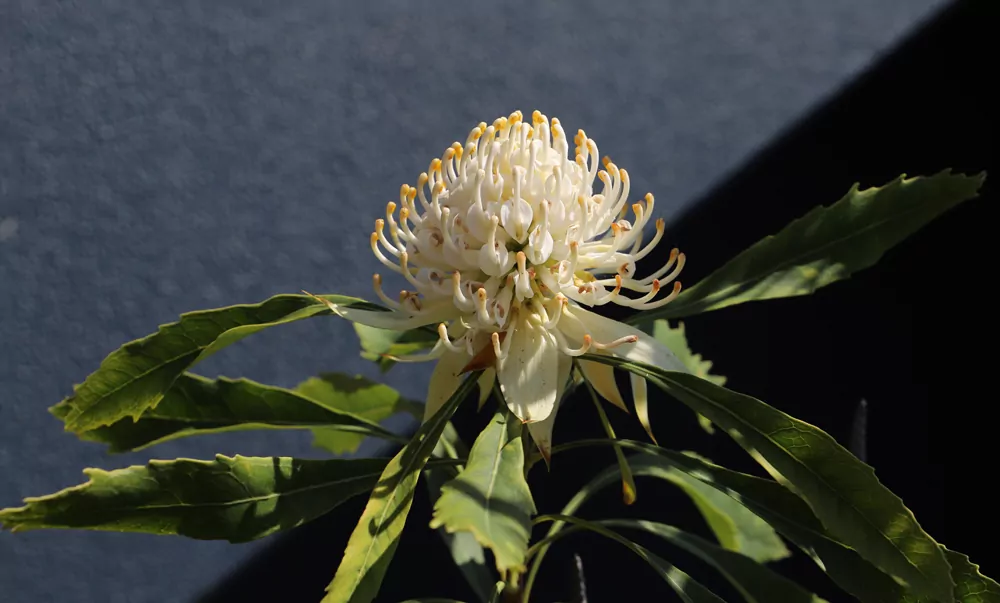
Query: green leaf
x: 676, y: 340
x: 686, y: 587
x: 356, y: 396
x: 490, y: 497
x: 135, y: 377
x: 374, y: 540
x: 843, y: 491
x: 235, y: 499
x: 784, y: 511
x: 468, y: 555
x: 629, y: 491
x: 826, y: 245
x: 970, y: 585
x: 195, y: 405
x: 379, y: 345
x: 753, y: 580
x: 737, y: 528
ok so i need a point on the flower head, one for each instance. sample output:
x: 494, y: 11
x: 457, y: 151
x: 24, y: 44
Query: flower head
x: 503, y: 243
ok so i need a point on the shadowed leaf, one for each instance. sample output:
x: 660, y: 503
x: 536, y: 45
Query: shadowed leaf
x: 842, y: 491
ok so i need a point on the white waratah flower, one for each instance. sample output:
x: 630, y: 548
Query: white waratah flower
x: 504, y: 241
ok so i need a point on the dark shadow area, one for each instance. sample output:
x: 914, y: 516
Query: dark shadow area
x: 912, y: 336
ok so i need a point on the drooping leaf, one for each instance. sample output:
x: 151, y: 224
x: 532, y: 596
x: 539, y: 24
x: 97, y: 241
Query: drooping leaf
x: 736, y: 527
x: 842, y: 491
x: 970, y: 585
x: 195, y: 405
x: 785, y: 512
x: 753, y: 580
x: 629, y: 491
x: 490, y: 497
x: 676, y: 340
x: 686, y: 587
x: 235, y: 499
x: 380, y: 345
x: 373, y: 541
x: 135, y: 377
x: 468, y: 555
x: 825, y: 245
x: 357, y: 396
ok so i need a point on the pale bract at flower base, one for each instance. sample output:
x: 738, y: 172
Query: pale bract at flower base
x: 505, y: 242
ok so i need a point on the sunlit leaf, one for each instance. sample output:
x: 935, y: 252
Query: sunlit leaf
x: 357, y: 396
x: 235, y: 499
x: 195, y: 405
x: 374, y: 540
x: 135, y: 377
x: 490, y: 497
x: 381, y: 345
x: 825, y: 245
x: 468, y: 555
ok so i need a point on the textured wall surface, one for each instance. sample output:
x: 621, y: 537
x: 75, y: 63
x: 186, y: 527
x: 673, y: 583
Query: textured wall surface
x: 158, y: 157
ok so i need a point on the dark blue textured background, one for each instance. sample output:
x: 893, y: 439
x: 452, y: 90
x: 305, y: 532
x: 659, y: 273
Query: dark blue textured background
x: 158, y: 157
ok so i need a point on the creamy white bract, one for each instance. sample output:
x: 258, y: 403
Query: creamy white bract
x: 503, y: 243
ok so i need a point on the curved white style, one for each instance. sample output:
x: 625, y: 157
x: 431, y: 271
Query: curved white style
x: 504, y: 242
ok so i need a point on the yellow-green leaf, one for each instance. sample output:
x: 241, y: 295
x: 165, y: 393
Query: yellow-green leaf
x: 490, y: 497
x: 468, y: 555
x: 381, y: 345
x: 356, y: 396
x: 373, y: 542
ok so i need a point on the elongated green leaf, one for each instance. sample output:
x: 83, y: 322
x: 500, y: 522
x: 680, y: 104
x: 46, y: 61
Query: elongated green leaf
x: 826, y: 245
x: 468, y: 555
x: 737, y: 528
x: 374, y: 540
x: 356, y: 396
x: 970, y: 585
x: 135, y: 377
x: 843, y: 491
x: 784, y: 511
x: 686, y: 587
x: 676, y: 340
x: 196, y: 406
x: 629, y: 491
x: 753, y: 580
x: 490, y: 497
x: 235, y: 499
x: 380, y: 345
